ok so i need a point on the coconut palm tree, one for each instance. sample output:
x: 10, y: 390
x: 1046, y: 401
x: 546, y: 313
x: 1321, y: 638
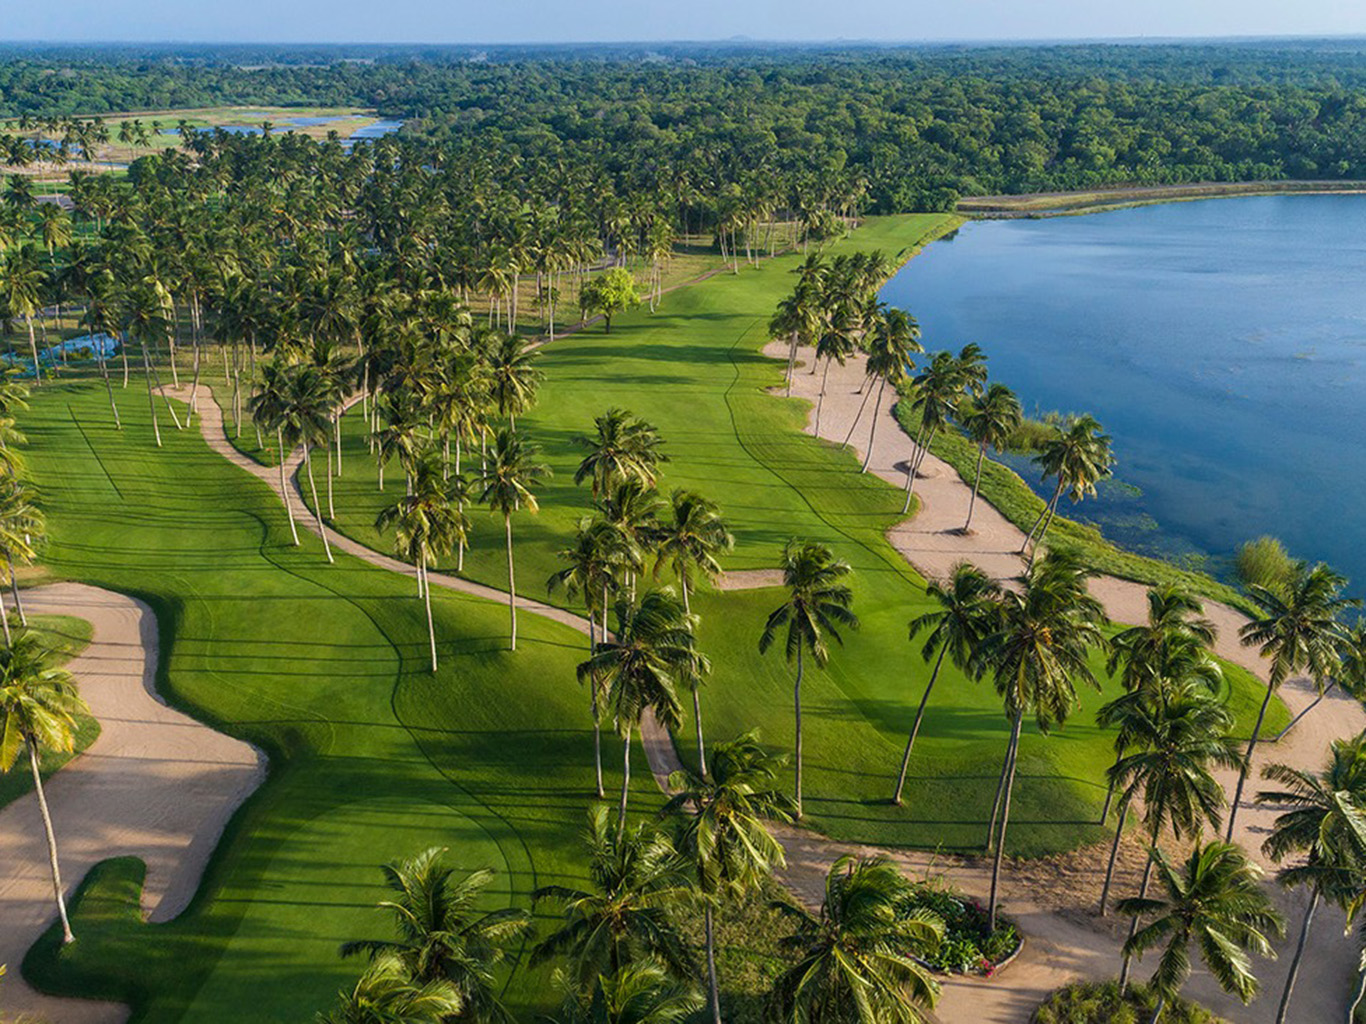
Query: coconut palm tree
x: 637, y: 881
x: 590, y: 568
x: 1324, y: 823
x: 990, y: 424
x: 1037, y: 656
x: 510, y: 473
x: 21, y: 530
x: 513, y: 376
x: 639, y: 993
x: 38, y: 709
x: 688, y: 540
x: 722, y: 832
x: 384, y: 994
x: 835, y: 344
x: 632, y: 509
x: 1213, y: 901
x: 270, y: 410
x: 860, y: 960
x: 21, y: 284
x: 1298, y: 629
x: 310, y: 400
x: 427, y: 524
x: 895, y: 337
x: 442, y: 936
x: 968, y: 604
x: 1078, y: 458
x: 623, y: 448
x: 642, y: 666
x: 817, y: 607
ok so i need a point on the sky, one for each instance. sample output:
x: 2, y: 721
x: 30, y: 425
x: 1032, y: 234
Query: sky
x: 493, y: 21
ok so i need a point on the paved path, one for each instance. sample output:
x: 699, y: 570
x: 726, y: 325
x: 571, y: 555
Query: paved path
x: 155, y: 784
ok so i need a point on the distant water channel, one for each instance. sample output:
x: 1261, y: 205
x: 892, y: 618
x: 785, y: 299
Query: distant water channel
x: 1222, y: 343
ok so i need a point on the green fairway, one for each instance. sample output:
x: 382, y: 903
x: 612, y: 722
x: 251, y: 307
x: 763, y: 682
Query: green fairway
x: 323, y: 666
x: 694, y: 369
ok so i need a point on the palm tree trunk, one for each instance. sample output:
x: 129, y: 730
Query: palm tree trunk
x: 512, y: 584
x: 1133, y: 925
x: 593, y: 702
x: 713, y: 989
x: 1356, y: 999
x: 791, y: 362
x: 976, y: 486
x: 625, y: 781
x: 317, y: 508
x: 51, y: 842
x: 867, y: 393
x: 14, y: 589
x: 284, y: 485
x: 915, y: 726
x: 797, y: 704
x: 1005, y: 821
x: 427, y: 600
x: 4, y: 619
x: 914, y: 469
x: 1299, y: 955
x: 33, y: 348
x: 1157, y: 1010
x: 1246, y: 765
x: 1057, y: 493
x: 151, y: 398
x: 872, y: 428
x: 108, y: 387
x: 1114, y: 855
x: 820, y: 398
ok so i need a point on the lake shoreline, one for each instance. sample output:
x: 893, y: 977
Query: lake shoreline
x: 1069, y: 204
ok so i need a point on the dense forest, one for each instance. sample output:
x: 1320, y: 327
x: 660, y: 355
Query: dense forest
x: 913, y: 128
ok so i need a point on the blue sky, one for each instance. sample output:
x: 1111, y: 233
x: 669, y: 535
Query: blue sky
x: 462, y: 21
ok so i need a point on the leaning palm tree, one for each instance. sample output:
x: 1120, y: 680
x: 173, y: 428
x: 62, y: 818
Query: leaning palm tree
x: 38, y: 709
x: 427, y: 524
x: 934, y: 394
x: 860, y: 961
x: 642, y: 666
x: 689, y: 540
x: 895, y: 338
x: 1215, y: 902
x: 510, y: 473
x: 1324, y: 822
x: 636, y: 882
x: 1078, y: 458
x: 817, y: 606
x: 385, y: 994
x: 1038, y: 654
x: 1298, y: 629
x: 991, y: 424
x: 622, y: 448
x: 722, y: 832
x: 968, y: 604
x: 441, y: 935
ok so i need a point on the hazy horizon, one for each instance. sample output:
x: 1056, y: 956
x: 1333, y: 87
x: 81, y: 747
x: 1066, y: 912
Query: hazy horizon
x: 538, y: 22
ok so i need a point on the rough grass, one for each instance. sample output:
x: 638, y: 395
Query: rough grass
x: 372, y: 758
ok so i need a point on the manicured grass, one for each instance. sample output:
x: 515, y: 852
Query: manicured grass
x: 695, y: 370
x: 373, y: 758
x: 1018, y: 502
x: 66, y: 637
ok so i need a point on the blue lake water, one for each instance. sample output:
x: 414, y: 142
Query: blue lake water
x: 1222, y: 344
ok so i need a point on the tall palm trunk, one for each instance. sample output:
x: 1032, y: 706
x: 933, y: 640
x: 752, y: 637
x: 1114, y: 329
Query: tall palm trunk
x: 791, y: 362
x: 317, y: 508
x: 4, y: 619
x: 696, y: 689
x: 872, y: 429
x: 14, y: 589
x: 51, y: 841
x: 1299, y: 955
x: 625, y: 781
x: 797, y: 705
x: 593, y: 705
x: 427, y: 601
x: 33, y: 348
x: 1011, y: 755
x: 1247, y: 764
x: 1114, y: 855
x: 151, y: 398
x: 108, y: 387
x: 976, y: 486
x: 284, y: 485
x: 915, y: 726
x: 867, y: 393
x: 1057, y: 494
x: 713, y: 989
x: 331, y: 509
x: 820, y: 398
x: 1133, y: 924
x: 512, y: 584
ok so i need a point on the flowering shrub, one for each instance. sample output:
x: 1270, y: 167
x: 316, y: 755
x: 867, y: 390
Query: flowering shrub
x: 967, y: 948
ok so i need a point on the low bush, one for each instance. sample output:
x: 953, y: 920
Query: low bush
x: 1090, y: 1002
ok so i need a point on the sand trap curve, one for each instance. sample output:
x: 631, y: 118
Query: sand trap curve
x: 155, y: 784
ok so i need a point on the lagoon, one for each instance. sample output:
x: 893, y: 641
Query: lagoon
x: 1222, y: 343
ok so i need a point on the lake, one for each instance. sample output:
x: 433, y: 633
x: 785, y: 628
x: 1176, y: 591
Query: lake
x: 1220, y: 342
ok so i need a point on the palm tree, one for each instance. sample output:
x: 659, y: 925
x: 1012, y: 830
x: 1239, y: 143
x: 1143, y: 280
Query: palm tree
x: 722, y: 832
x: 1325, y: 821
x: 442, y: 936
x: 384, y: 994
x: 689, y: 540
x: 21, y: 284
x: 310, y: 400
x: 21, y: 530
x: 859, y: 961
x: 1078, y: 458
x: 935, y: 393
x: 270, y: 409
x: 427, y: 524
x: 835, y: 344
x: 590, y: 567
x: 653, y: 651
x: 637, y: 880
x: 817, y: 606
x: 632, y: 509
x: 991, y: 423
x: 1038, y: 653
x: 894, y: 339
x: 1215, y: 902
x: 1299, y: 630
x: 38, y: 709
x: 513, y: 377
x: 509, y: 475
x: 623, y: 448
x: 968, y: 604
x: 639, y: 993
